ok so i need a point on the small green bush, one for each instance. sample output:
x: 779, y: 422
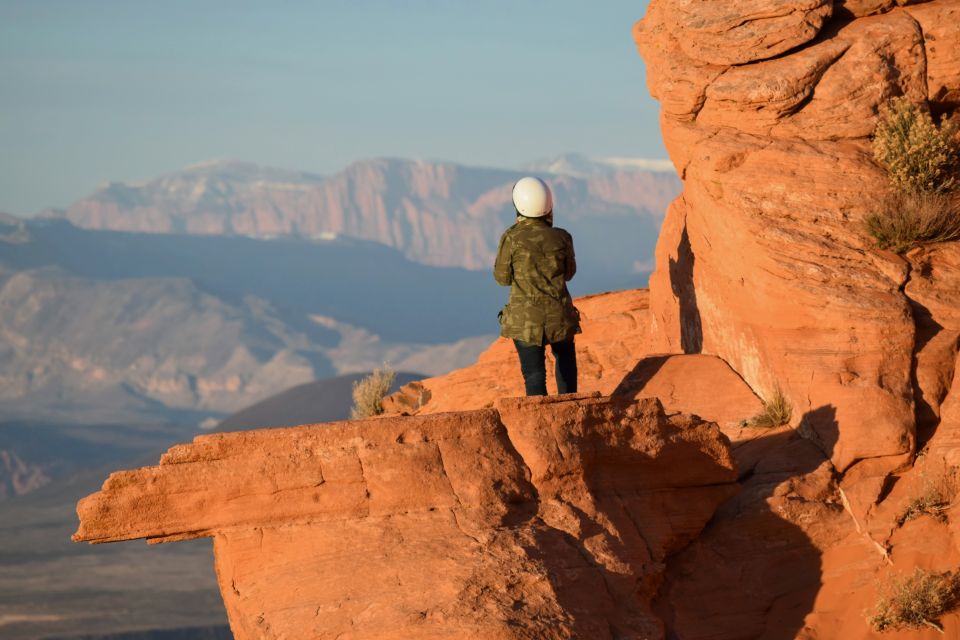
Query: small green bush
x: 776, y: 411
x: 905, y: 219
x: 368, y: 393
x: 918, y: 155
x: 915, y: 601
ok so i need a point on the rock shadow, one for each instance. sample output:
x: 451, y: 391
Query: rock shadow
x: 681, y: 282
x: 600, y: 546
x: 926, y: 416
x: 642, y: 373
x: 753, y: 572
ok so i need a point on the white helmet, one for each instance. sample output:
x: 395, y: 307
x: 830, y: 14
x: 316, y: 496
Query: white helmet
x: 532, y: 198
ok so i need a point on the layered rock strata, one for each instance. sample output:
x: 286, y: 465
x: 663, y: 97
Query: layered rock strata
x: 767, y: 109
x: 541, y: 518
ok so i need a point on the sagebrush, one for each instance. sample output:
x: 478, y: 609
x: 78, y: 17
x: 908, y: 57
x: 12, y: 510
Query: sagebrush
x: 905, y: 219
x: 919, y: 156
x: 776, y: 412
x: 368, y: 393
x: 937, y: 492
x: 914, y: 601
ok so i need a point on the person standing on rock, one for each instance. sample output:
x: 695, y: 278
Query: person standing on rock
x: 536, y: 260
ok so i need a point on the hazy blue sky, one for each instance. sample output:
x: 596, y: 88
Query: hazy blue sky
x: 123, y: 90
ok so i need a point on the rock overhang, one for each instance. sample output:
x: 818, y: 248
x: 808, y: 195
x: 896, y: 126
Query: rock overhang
x: 485, y: 521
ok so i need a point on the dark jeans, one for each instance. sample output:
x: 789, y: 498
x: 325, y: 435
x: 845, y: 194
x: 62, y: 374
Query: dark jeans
x: 534, y: 368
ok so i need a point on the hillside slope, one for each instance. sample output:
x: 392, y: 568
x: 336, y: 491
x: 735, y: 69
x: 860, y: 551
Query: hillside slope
x: 113, y: 327
x: 325, y: 400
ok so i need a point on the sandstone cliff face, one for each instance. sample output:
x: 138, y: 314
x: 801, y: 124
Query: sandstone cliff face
x: 541, y: 518
x: 767, y: 109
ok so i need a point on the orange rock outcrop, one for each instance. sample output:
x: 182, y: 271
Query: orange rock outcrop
x: 767, y: 109
x: 617, y: 513
x: 611, y: 361
x: 541, y: 518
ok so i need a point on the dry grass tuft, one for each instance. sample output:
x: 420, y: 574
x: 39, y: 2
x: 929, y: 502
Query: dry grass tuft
x: 917, y: 154
x: 915, y: 601
x: 906, y: 219
x: 937, y: 494
x: 776, y: 411
x: 368, y: 393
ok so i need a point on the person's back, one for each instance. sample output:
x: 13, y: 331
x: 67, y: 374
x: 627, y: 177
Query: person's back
x: 536, y: 260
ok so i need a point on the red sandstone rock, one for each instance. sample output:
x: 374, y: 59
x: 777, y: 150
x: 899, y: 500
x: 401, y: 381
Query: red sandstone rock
x: 721, y: 32
x: 827, y: 91
x: 543, y: 518
x: 764, y: 262
x: 767, y: 179
x: 612, y: 359
x: 940, y: 23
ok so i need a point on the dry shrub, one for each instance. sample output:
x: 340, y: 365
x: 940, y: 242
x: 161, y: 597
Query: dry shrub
x: 368, y: 393
x: 938, y: 490
x: 906, y: 219
x: 918, y: 155
x: 776, y: 411
x: 915, y: 601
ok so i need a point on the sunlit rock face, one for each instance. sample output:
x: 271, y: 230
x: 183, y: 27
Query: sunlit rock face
x: 540, y: 518
x: 767, y: 109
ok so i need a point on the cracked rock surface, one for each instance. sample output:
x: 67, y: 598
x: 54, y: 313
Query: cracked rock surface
x: 767, y: 109
x: 540, y: 518
x: 764, y: 260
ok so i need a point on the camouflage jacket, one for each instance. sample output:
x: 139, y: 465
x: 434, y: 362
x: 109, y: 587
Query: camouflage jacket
x: 535, y: 260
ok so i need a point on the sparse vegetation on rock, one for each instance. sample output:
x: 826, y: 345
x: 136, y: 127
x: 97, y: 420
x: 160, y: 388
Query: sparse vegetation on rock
x: 776, y: 411
x: 923, y: 163
x: 369, y: 392
x: 915, y: 601
x: 918, y: 155
x: 905, y: 219
x: 936, y: 495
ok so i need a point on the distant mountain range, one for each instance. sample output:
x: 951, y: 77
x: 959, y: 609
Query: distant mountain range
x: 189, y: 296
x: 435, y: 213
x: 143, y: 311
x: 104, y: 326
